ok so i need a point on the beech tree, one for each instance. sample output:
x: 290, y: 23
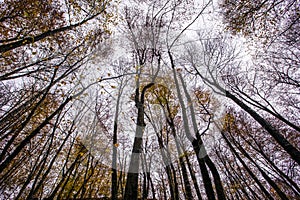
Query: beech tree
x: 43, y: 45
x: 220, y: 57
x: 237, y: 136
x: 275, y: 39
x: 146, y: 35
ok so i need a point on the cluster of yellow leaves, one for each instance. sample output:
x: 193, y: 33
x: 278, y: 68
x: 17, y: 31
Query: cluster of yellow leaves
x: 203, y: 97
x: 228, y: 121
x: 160, y: 94
x: 44, y: 110
x: 28, y: 17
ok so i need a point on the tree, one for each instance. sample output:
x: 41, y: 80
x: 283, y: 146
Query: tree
x: 262, y: 19
x: 43, y: 46
x: 273, y: 32
x: 145, y: 47
x: 197, y: 142
x: 147, y: 36
x: 244, y: 137
x: 214, y: 53
x: 114, y: 177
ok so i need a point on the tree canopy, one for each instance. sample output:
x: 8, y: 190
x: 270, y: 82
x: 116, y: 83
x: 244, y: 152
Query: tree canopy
x: 152, y: 99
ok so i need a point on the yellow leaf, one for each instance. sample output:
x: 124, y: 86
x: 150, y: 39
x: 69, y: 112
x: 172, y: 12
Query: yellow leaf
x: 26, y: 14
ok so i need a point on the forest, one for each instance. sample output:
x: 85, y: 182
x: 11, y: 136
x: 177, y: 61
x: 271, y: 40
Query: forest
x: 150, y: 99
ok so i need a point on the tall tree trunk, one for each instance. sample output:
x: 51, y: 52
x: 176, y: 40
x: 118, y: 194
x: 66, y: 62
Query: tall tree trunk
x: 267, y: 178
x: 268, y: 195
x: 217, y: 179
x: 205, y: 175
x: 187, y: 186
x: 67, y: 175
x: 171, y: 174
x: 38, y: 184
x: 284, y: 143
x: 196, y: 186
x: 131, y: 188
x: 286, y: 179
x: 175, y: 183
x: 171, y: 183
x: 196, y: 144
x: 145, y: 187
x: 114, y: 175
x: 236, y: 176
x: 209, y: 163
x: 164, y: 190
